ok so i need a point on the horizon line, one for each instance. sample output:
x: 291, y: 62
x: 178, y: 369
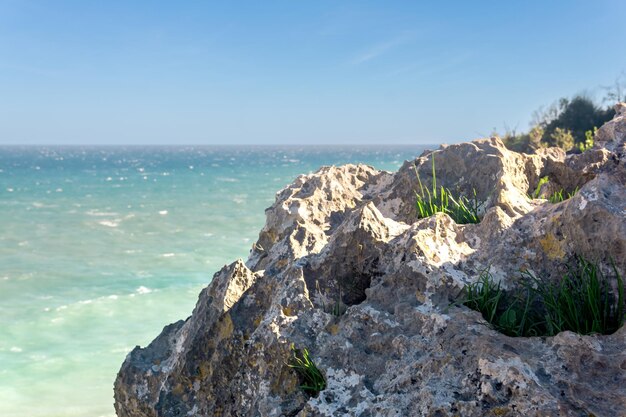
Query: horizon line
x: 137, y: 145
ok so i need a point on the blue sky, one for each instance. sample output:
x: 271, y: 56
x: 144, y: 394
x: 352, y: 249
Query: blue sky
x: 295, y: 72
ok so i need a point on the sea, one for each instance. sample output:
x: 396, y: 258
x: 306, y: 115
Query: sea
x: 101, y: 247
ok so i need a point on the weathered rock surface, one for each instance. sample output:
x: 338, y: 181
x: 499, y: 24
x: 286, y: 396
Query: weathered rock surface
x: 344, y: 268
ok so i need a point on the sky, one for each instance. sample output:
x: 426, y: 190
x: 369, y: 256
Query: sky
x: 295, y: 72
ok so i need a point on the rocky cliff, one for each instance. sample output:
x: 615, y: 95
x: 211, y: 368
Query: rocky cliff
x: 344, y: 267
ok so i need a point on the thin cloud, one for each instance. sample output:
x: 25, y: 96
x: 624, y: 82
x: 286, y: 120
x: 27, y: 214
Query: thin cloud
x: 380, y: 48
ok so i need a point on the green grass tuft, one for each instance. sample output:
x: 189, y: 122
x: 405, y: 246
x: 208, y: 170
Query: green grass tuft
x: 583, y: 302
x: 561, y: 195
x: 440, y: 200
x: 511, y: 315
x: 555, y: 197
x: 541, y: 182
x: 312, y: 379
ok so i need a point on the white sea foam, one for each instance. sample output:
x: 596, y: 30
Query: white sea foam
x: 38, y: 357
x: 227, y: 179
x: 167, y: 255
x: 15, y: 349
x: 98, y: 213
x: 143, y: 290
x: 163, y: 212
x: 109, y: 223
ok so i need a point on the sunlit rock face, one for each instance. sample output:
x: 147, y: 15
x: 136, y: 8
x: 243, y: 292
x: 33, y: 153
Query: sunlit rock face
x: 344, y: 267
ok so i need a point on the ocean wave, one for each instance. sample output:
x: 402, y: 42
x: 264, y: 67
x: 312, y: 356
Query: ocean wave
x: 143, y: 290
x: 226, y: 179
x: 98, y: 213
x: 110, y: 223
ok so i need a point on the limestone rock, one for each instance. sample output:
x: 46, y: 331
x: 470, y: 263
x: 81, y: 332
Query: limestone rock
x: 344, y: 268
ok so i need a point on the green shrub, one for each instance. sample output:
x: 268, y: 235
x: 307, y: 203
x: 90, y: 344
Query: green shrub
x: 440, y: 200
x: 583, y: 302
x: 312, y: 379
x: 562, y: 138
x: 588, y: 143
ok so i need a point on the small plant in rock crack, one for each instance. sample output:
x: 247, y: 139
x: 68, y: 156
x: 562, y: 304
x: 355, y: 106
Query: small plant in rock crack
x: 542, y: 181
x: 312, y: 379
x: 561, y: 195
x: 582, y: 301
x: 440, y: 200
x: 336, y: 307
x: 555, y: 197
x: 512, y: 315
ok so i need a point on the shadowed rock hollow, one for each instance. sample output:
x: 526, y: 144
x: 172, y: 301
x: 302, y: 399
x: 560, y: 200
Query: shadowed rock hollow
x: 344, y: 268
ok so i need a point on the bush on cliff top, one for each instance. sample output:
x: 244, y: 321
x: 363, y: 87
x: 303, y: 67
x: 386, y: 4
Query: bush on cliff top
x: 569, y: 124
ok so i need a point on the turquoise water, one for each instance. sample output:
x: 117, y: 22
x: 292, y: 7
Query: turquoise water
x: 102, y: 247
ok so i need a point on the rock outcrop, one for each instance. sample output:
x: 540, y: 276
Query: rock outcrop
x: 344, y: 268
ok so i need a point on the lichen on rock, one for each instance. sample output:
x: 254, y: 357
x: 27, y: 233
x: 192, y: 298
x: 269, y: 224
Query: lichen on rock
x: 349, y: 237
